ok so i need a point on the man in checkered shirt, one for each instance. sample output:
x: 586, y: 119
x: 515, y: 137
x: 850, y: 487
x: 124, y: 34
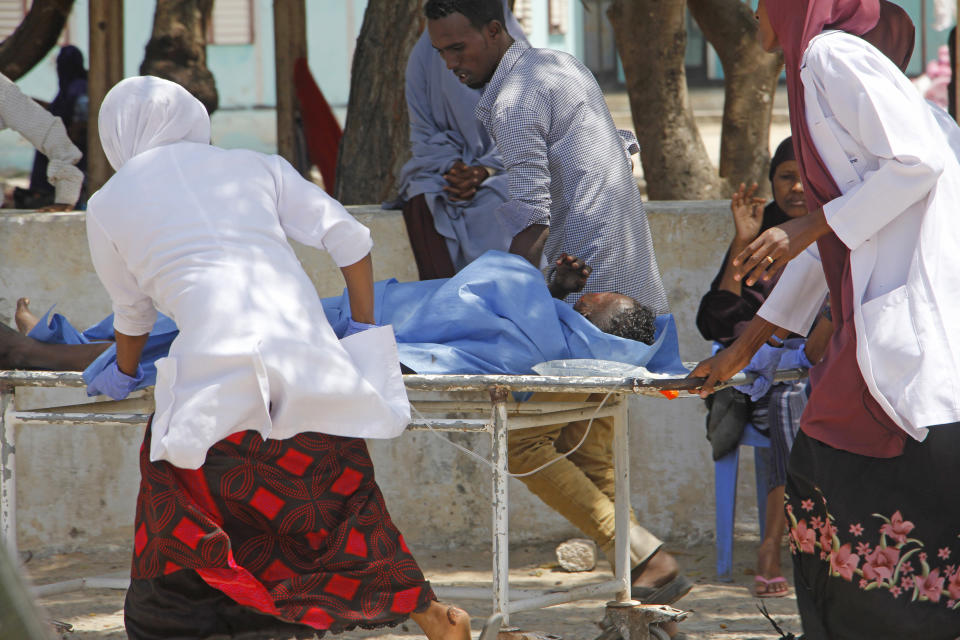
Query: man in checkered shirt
x: 571, y: 182
x: 572, y: 191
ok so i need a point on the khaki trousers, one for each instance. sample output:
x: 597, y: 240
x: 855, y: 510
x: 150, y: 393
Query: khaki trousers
x: 581, y: 486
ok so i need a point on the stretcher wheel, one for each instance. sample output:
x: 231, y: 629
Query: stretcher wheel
x: 657, y: 632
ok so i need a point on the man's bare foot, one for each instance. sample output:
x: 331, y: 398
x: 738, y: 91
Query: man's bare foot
x: 443, y: 622
x: 25, y: 319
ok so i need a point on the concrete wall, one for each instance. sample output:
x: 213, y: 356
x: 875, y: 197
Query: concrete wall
x: 77, y: 485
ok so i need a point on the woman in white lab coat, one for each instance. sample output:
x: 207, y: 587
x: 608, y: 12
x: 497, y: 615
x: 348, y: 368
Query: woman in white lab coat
x: 874, y: 521
x: 258, y: 511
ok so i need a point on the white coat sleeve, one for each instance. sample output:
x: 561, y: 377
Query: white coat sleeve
x: 796, y: 299
x: 48, y: 135
x: 310, y: 216
x: 887, y: 117
x: 133, y: 311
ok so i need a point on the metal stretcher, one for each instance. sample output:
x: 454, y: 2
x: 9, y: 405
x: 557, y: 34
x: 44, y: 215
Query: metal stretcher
x: 490, y: 410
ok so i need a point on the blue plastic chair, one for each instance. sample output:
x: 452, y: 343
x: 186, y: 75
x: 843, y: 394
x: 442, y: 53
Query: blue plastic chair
x: 725, y: 491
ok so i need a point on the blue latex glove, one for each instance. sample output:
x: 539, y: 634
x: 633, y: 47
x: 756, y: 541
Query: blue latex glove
x: 795, y: 358
x: 764, y: 362
x: 114, y: 383
x: 356, y: 327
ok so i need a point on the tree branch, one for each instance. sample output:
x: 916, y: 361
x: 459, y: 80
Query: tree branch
x: 750, y: 80
x: 651, y: 39
x: 34, y: 38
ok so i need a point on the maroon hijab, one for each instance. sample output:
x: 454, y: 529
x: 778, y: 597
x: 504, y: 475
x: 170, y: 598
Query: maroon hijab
x: 894, y: 34
x: 796, y: 22
x: 833, y: 414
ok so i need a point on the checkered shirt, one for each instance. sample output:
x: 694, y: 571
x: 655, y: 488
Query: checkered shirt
x: 568, y: 168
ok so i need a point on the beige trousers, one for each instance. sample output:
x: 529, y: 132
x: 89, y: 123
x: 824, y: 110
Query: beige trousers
x: 581, y: 486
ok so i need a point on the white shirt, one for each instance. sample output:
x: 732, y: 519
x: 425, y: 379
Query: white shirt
x: 900, y: 184
x: 201, y: 234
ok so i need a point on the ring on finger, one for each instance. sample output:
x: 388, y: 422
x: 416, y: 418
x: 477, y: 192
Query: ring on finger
x: 769, y: 259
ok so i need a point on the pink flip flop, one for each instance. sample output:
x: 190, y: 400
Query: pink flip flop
x: 761, y: 588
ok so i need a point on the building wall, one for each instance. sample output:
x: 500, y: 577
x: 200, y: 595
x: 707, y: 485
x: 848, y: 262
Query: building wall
x: 245, y: 73
x: 702, y: 60
x: 76, y: 485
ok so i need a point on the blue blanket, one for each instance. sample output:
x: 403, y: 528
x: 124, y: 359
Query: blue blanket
x: 495, y: 316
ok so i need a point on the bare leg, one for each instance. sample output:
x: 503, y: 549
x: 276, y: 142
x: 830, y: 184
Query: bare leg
x: 443, y: 622
x: 25, y: 319
x: 768, y: 555
x: 20, y: 352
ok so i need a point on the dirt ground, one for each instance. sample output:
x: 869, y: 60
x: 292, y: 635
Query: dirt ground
x: 718, y: 611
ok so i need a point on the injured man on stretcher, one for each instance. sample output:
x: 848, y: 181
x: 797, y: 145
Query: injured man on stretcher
x: 496, y: 316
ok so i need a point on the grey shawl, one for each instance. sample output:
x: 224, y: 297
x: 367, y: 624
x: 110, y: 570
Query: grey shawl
x: 444, y: 129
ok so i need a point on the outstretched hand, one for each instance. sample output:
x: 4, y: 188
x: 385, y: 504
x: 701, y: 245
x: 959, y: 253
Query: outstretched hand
x: 570, y: 276
x: 747, y: 212
x: 777, y: 246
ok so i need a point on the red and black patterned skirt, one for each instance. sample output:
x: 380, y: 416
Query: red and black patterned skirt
x: 274, y: 535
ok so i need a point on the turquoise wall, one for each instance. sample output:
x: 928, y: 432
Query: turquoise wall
x: 922, y: 14
x: 933, y: 39
x: 245, y: 73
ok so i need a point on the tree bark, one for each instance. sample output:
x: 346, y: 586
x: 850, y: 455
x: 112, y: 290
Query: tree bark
x: 177, y: 48
x: 33, y: 39
x: 750, y: 80
x: 376, y: 139
x: 651, y: 38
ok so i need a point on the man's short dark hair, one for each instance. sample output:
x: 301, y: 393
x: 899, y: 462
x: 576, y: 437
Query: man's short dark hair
x: 478, y: 12
x: 634, y: 323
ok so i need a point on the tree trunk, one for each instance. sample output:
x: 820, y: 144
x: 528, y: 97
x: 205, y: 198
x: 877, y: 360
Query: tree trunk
x: 376, y: 139
x: 651, y: 38
x: 33, y: 39
x: 177, y: 48
x: 750, y: 80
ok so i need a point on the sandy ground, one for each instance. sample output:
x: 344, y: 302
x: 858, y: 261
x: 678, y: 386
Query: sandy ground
x: 718, y: 611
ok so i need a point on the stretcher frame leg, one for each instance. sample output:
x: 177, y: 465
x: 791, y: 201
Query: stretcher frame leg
x: 8, y: 477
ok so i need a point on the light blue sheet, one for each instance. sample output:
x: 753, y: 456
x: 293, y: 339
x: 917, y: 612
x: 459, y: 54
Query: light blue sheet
x: 57, y: 329
x: 495, y: 316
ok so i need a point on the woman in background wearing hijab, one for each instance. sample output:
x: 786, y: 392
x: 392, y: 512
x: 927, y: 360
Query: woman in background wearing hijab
x: 724, y: 312
x: 72, y: 107
x: 874, y: 517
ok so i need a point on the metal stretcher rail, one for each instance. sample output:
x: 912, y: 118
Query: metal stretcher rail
x: 495, y: 417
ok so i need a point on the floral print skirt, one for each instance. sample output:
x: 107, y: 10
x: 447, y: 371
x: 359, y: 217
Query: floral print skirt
x: 876, y: 542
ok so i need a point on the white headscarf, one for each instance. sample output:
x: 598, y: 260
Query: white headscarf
x: 145, y: 112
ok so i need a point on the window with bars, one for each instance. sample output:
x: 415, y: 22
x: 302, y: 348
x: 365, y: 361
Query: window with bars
x: 11, y: 15
x: 559, y: 16
x: 231, y: 22
x: 523, y: 12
